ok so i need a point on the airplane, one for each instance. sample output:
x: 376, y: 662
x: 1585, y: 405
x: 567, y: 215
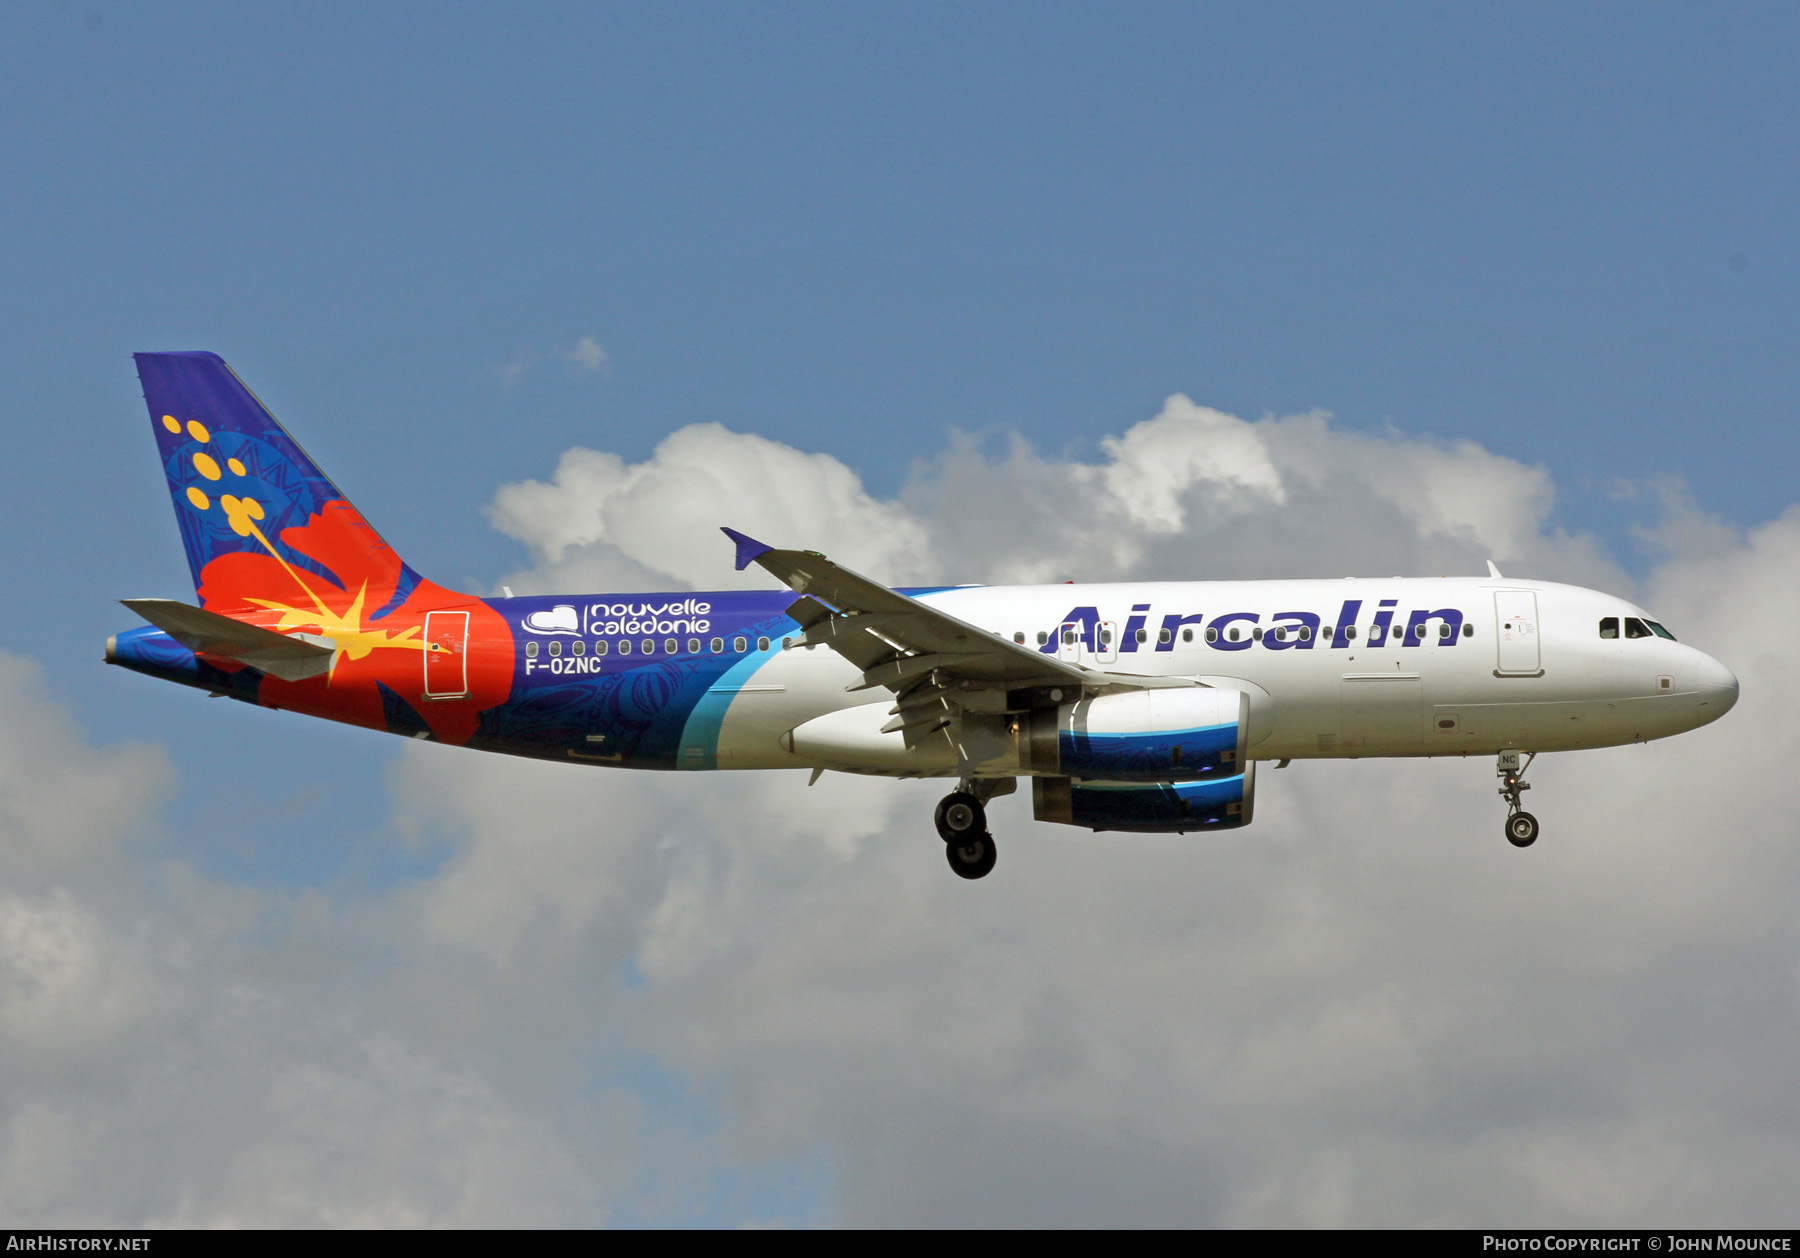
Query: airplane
x: 1130, y: 706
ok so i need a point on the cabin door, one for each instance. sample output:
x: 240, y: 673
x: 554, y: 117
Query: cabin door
x: 446, y: 655
x: 1516, y: 632
x: 1068, y: 641
x: 1106, y: 647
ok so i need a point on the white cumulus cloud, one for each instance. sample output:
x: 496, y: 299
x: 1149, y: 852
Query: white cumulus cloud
x: 659, y: 520
x: 621, y: 994
x: 1190, y: 493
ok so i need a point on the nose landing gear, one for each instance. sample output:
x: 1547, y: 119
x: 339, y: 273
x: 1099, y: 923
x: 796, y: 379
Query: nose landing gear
x: 1521, y: 826
x: 962, y: 825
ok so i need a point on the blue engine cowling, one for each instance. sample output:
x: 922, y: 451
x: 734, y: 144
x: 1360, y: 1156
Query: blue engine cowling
x: 1186, y: 735
x: 1168, y: 807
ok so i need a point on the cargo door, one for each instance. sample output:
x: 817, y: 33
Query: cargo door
x: 446, y: 655
x: 1381, y: 711
x: 1516, y: 632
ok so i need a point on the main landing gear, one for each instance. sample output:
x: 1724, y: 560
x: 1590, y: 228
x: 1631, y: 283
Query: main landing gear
x: 962, y: 825
x: 1521, y: 826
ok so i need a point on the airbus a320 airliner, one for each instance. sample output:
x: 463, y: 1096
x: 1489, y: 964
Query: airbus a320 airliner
x: 1135, y: 706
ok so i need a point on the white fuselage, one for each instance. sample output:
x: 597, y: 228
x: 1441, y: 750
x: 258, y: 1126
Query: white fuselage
x: 1493, y: 664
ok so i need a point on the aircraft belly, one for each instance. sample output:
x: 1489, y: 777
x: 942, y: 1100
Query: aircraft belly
x: 1565, y: 725
x: 790, y: 689
x: 851, y: 739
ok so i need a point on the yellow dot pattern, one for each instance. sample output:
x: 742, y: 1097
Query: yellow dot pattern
x: 242, y: 513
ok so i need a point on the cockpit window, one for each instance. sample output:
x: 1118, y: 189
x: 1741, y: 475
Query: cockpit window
x: 1609, y: 628
x: 1635, y: 628
x: 1659, y: 631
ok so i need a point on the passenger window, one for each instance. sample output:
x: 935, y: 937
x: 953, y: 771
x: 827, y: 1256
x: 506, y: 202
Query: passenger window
x: 556, y: 648
x: 1635, y: 628
x: 624, y: 646
x: 599, y: 648
x: 1306, y: 633
x: 531, y: 650
x: 693, y: 646
x: 671, y: 646
x: 1019, y: 637
x: 1233, y: 635
x: 1443, y: 633
x: 1163, y: 635
x: 1468, y: 631
x: 1106, y: 637
x: 1350, y: 632
x: 1609, y: 627
x: 1187, y: 635
x: 1068, y: 637
x: 740, y: 645
x: 649, y: 645
x: 1212, y: 635
x: 1142, y: 637
x: 1043, y: 638
x: 1659, y: 631
x: 762, y: 644
x: 718, y: 646
x: 578, y: 647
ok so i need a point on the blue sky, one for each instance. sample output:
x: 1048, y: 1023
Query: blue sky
x: 1565, y: 233
x: 857, y: 229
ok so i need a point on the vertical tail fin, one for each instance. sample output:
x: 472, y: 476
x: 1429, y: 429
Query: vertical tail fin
x: 262, y: 525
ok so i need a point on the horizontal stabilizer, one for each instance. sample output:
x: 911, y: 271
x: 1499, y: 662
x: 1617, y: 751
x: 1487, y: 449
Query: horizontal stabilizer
x: 291, y: 657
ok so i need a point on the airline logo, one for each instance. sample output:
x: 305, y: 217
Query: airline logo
x: 559, y: 619
x: 689, y: 615
x: 1291, y: 630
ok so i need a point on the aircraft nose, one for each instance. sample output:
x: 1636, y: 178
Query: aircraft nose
x: 1718, y: 684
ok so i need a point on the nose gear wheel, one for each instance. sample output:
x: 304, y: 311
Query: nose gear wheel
x: 1521, y: 826
x: 1521, y: 829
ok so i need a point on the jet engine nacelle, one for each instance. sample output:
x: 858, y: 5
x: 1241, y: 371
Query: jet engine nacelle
x: 1169, y: 807
x: 1187, y: 735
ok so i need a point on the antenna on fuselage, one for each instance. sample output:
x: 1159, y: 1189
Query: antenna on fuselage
x: 1494, y: 572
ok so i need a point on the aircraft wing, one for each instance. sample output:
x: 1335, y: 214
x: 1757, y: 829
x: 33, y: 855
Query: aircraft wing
x: 921, y: 653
